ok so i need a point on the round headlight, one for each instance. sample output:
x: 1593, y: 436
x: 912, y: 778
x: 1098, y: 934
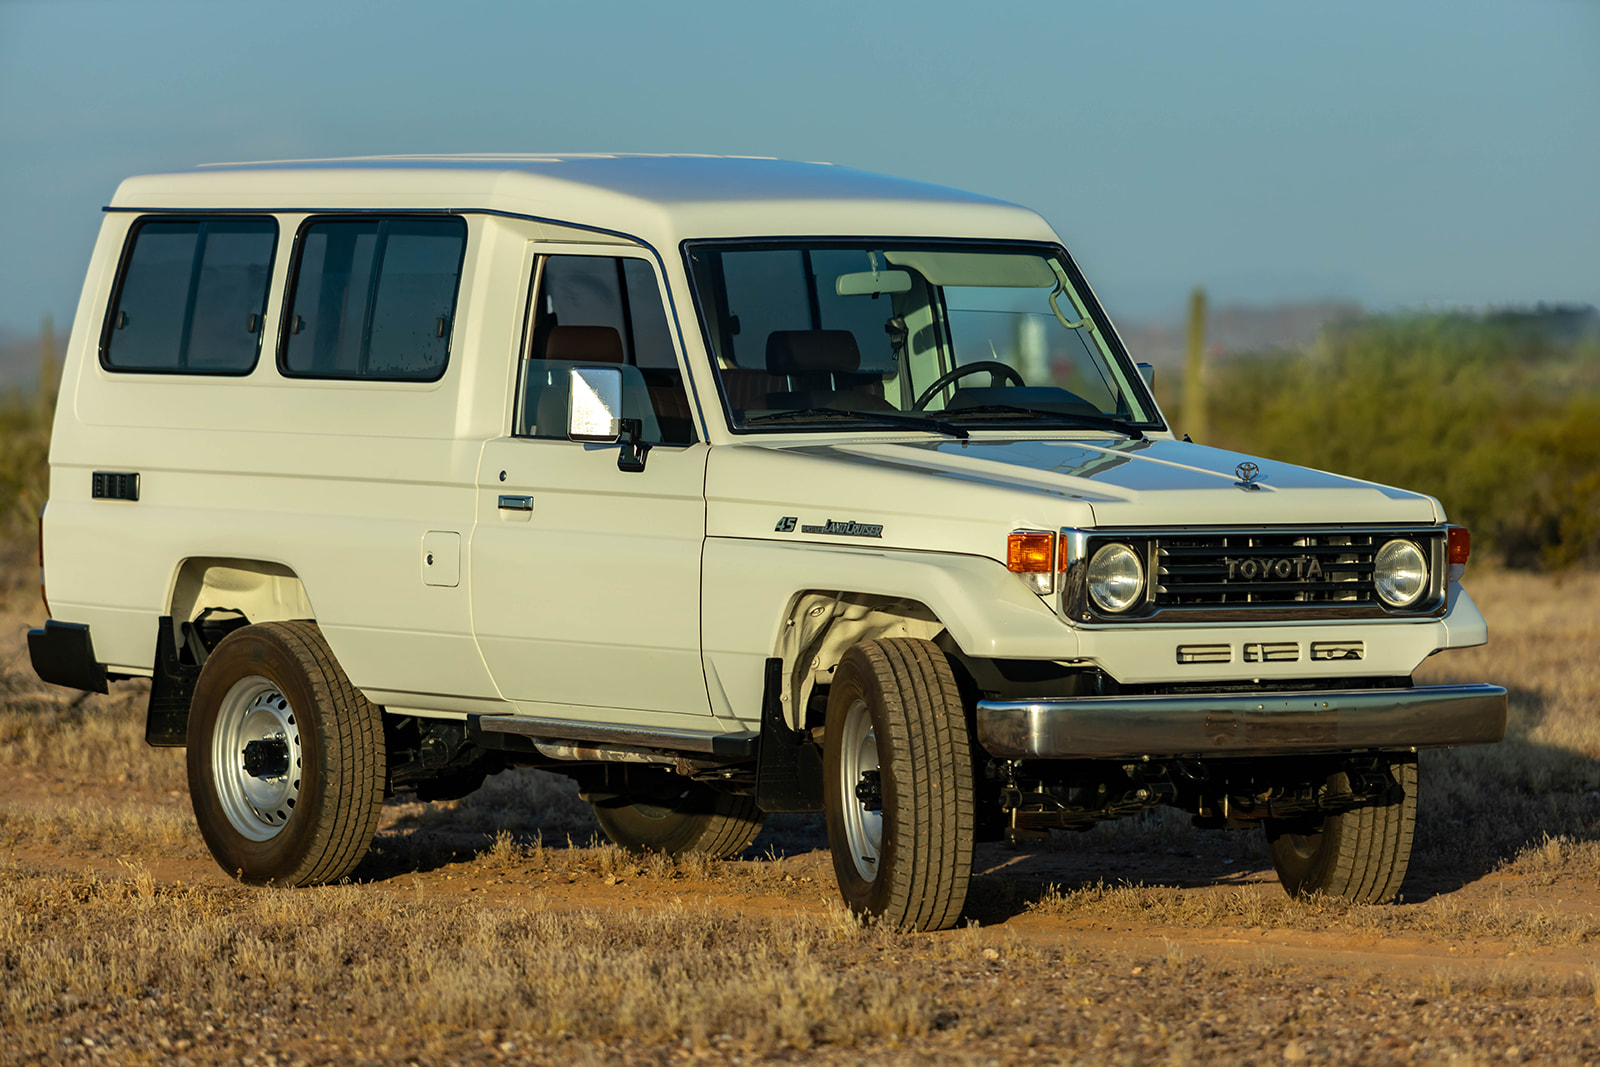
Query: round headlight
x: 1400, y: 573
x: 1116, y: 578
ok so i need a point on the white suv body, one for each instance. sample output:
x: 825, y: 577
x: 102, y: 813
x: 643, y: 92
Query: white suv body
x: 337, y: 401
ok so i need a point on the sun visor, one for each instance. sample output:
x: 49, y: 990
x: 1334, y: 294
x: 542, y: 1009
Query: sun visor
x: 978, y: 269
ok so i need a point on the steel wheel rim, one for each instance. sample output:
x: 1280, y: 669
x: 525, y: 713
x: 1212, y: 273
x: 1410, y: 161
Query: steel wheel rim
x: 863, y: 829
x: 255, y: 758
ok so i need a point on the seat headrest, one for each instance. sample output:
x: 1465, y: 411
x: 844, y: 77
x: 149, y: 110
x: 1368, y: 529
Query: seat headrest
x: 812, y: 352
x: 584, y: 344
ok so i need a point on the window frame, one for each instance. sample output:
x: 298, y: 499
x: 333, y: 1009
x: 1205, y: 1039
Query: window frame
x: 125, y: 260
x: 708, y: 323
x: 292, y: 282
x: 661, y: 288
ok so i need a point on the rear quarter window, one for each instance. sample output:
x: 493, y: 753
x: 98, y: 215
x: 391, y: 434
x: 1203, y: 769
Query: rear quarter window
x: 190, y: 296
x: 373, y: 298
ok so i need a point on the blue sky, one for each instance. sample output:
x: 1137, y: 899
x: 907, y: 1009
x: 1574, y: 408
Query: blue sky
x: 1423, y: 154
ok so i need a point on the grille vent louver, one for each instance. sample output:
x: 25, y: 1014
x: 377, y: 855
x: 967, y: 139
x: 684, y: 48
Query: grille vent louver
x: 1215, y: 570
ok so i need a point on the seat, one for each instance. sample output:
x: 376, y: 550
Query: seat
x: 823, y: 368
x: 584, y: 344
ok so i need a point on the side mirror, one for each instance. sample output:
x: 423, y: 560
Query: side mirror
x: 594, y: 404
x: 1147, y: 371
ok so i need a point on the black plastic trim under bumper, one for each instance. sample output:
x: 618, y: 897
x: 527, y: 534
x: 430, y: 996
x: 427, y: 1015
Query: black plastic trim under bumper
x: 63, y: 654
x: 1243, y: 724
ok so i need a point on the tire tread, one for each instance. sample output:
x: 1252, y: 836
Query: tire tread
x: 352, y: 773
x: 925, y: 720
x: 1362, y: 854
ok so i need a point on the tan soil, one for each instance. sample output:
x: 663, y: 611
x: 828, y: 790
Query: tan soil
x: 1491, y: 957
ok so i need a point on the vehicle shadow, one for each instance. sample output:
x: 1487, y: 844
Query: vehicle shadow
x: 1480, y: 808
x: 1483, y: 807
x: 523, y: 808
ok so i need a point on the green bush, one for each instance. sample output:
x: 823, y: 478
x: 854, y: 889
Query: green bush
x: 24, y: 461
x: 1498, y: 416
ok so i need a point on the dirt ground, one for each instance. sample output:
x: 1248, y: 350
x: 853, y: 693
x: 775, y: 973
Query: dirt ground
x: 499, y: 929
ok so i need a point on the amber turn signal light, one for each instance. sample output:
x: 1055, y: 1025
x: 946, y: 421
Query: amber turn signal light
x: 1031, y: 554
x: 1028, y: 552
x: 1460, y: 544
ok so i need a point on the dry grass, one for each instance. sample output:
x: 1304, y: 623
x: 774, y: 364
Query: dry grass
x: 1502, y: 919
x: 664, y: 975
x: 132, y: 969
x: 1483, y: 808
x: 121, y: 830
x: 52, y: 734
x: 127, y: 967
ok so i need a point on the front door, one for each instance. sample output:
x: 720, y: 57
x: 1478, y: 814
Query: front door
x: 586, y: 578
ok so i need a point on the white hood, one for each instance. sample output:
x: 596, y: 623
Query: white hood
x: 953, y: 495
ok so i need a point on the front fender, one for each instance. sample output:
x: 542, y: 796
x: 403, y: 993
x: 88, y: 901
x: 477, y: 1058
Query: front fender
x: 748, y: 586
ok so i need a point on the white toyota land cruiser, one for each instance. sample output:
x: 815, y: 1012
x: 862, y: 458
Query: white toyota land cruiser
x: 725, y: 487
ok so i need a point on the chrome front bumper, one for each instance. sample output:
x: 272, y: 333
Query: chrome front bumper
x: 1243, y: 724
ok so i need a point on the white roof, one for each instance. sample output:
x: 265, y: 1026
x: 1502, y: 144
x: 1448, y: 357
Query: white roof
x: 660, y: 199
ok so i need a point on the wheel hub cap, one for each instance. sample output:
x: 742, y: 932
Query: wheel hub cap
x: 862, y: 788
x: 266, y: 759
x: 255, y: 758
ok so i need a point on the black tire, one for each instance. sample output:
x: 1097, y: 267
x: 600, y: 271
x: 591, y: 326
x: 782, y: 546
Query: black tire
x: 271, y: 698
x: 1359, y: 855
x: 690, y: 818
x: 918, y: 877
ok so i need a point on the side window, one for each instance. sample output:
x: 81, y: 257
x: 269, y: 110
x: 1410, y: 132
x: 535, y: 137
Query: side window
x: 601, y: 309
x: 373, y: 298
x: 191, y: 296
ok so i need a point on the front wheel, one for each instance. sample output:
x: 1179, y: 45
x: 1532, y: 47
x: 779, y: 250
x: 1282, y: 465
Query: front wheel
x: 1359, y: 855
x: 285, y: 758
x: 898, y: 793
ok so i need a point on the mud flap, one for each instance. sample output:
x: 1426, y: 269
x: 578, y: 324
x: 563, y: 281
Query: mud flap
x: 789, y: 763
x: 166, y: 722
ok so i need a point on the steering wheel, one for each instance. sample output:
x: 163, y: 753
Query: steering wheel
x: 995, y: 368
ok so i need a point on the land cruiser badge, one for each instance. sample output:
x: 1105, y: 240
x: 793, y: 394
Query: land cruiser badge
x: 848, y: 528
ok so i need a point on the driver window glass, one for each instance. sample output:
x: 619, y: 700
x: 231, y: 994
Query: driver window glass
x: 601, y: 311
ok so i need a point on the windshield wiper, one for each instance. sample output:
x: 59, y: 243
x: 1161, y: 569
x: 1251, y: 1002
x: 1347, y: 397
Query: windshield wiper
x: 882, y: 418
x: 1068, y: 420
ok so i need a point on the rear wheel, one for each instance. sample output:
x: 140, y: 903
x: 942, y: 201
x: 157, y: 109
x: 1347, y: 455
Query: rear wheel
x: 897, y: 774
x: 1359, y: 855
x: 285, y: 758
x: 685, y: 818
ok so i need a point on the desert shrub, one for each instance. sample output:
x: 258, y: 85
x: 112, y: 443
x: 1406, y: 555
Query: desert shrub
x: 1496, y: 418
x: 24, y: 460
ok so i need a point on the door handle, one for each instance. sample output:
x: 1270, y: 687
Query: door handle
x: 509, y: 502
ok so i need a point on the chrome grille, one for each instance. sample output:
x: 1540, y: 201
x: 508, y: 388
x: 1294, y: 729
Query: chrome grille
x: 1239, y: 568
x: 1251, y: 574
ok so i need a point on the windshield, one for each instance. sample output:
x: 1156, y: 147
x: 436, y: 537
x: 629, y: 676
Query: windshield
x: 819, y: 335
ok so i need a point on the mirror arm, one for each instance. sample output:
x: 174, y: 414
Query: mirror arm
x: 633, y: 453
